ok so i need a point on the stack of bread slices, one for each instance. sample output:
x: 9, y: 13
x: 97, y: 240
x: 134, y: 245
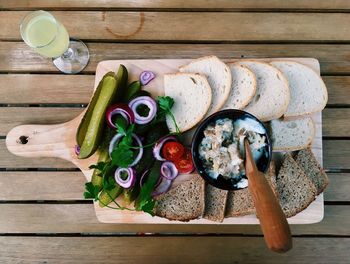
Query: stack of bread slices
x: 281, y: 93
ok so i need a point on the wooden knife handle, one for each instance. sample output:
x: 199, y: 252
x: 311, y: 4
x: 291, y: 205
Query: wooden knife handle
x: 273, y: 222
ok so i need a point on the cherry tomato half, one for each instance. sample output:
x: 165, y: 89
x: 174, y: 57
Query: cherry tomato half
x: 172, y: 150
x: 185, y: 163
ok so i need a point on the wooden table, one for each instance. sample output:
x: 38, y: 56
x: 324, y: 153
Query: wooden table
x: 43, y: 217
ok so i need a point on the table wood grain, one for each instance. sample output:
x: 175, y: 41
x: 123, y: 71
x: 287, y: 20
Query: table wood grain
x: 43, y: 216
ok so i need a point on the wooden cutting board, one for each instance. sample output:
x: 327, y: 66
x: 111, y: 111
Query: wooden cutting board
x: 59, y: 141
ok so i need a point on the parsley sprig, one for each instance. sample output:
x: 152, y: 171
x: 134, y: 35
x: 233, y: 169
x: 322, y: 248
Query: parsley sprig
x: 165, y: 103
x: 108, y: 184
x: 122, y: 155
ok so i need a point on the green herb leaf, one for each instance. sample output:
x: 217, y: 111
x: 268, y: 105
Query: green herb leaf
x: 91, y: 191
x: 122, y: 156
x: 165, y: 103
x: 121, y: 125
x: 108, y: 183
x: 148, y: 207
x: 99, y: 166
x: 145, y: 201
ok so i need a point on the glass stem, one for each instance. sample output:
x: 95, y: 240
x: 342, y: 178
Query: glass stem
x: 69, y: 54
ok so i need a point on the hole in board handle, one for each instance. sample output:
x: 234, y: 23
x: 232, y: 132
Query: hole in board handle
x: 23, y: 140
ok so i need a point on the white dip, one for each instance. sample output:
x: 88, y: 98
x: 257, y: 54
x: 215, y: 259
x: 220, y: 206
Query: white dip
x: 220, y: 148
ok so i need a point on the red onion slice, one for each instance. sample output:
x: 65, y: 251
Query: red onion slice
x: 163, y: 187
x: 77, y: 149
x: 119, y: 109
x: 144, y: 176
x: 130, y: 179
x: 158, y: 146
x: 115, y: 141
x: 150, y: 103
x: 168, y: 170
x: 146, y: 77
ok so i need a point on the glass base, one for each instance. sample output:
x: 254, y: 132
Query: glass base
x: 75, y: 59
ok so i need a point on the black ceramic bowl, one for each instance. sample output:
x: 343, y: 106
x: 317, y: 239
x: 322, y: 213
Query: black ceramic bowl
x: 220, y: 182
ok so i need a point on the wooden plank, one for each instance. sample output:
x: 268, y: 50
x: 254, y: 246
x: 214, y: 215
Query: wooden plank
x: 186, y: 249
x: 41, y: 185
x: 179, y: 26
x: 14, y: 116
x: 183, y: 249
x: 81, y: 218
x: 18, y: 57
x: 58, y: 185
x: 336, y: 154
x: 178, y: 4
x: 335, y: 121
x: 338, y: 89
x: 8, y: 160
x: 338, y: 188
x: 71, y: 89
x: 43, y: 89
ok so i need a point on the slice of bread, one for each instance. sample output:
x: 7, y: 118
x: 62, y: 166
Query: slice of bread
x: 307, y: 90
x: 240, y: 202
x: 215, y: 203
x: 243, y: 87
x: 192, y: 96
x: 307, y: 161
x: 296, y: 190
x: 183, y: 202
x: 272, y: 96
x: 219, y: 78
x: 291, y: 135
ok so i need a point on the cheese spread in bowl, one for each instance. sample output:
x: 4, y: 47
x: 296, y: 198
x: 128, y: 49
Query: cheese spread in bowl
x: 218, y: 148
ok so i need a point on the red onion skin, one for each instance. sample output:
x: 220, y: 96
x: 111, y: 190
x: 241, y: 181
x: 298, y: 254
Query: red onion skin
x: 146, y: 77
x: 171, y: 167
x: 163, y: 187
x: 116, y: 109
x: 144, y: 175
x: 150, y: 103
x: 158, y: 146
x: 125, y: 184
x: 77, y: 149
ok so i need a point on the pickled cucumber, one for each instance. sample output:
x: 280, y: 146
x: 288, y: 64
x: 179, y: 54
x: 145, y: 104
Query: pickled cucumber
x: 103, y: 156
x: 133, y: 88
x: 106, y: 198
x: 95, y: 115
x: 96, y: 179
x: 123, y: 76
x: 84, y: 123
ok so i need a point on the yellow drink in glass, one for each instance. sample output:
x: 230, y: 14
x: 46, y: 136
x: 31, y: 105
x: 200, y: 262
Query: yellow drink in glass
x: 47, y: 36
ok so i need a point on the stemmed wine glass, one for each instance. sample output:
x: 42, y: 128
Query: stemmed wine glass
x: 41, y: 31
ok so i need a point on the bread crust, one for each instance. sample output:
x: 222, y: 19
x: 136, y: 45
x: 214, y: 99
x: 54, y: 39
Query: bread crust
x: 316, y: 76
x: 228, y: 81
x: 298, y: 147
x: 253, y: 78
x: 283, y: 109
x: 209, y: 94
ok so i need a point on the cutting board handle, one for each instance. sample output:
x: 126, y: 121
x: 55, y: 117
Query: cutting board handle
x: 42, y: 141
